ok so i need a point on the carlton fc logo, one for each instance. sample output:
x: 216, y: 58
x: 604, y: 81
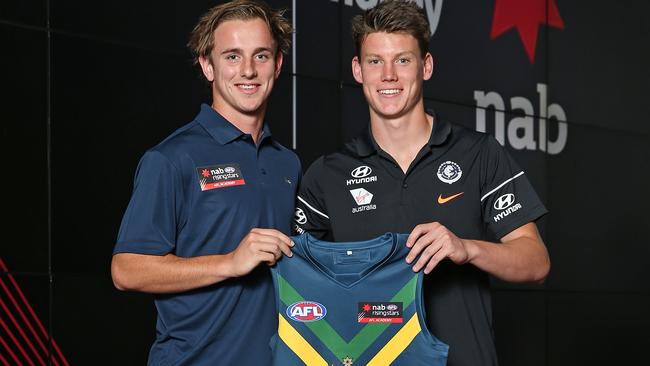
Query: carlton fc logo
x: 449, y: 172
x: 306, y: 311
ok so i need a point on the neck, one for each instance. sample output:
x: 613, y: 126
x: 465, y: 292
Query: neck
x: 248, y: 123
x: 403, y: 137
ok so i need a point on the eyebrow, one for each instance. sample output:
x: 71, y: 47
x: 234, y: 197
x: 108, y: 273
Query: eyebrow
x: 239, y: 50
x: 401, y: 54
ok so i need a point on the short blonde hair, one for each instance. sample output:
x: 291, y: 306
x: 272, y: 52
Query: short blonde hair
x: 201, y: 40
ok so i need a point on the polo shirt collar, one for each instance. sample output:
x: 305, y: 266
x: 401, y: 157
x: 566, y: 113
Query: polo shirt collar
x: 220, y: 128
x: 365, y: 145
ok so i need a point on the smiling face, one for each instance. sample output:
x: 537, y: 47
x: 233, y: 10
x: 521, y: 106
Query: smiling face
x: 242, y: 68
x: 392, y: 70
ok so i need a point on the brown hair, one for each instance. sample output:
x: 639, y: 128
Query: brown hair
x: 392, y: 16
x: 202, y: 37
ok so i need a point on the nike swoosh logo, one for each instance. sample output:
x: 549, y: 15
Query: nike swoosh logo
x: 443, y: 200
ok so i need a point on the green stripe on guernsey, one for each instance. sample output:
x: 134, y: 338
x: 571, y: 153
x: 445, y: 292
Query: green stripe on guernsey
x: 330, y: 338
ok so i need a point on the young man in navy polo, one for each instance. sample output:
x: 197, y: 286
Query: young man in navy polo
x: 212, y: 204
x: 451, y: 188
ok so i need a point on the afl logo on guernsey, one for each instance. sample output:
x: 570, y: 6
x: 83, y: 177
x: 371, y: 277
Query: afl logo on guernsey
x: 449, y: 172
x: 306, y: 311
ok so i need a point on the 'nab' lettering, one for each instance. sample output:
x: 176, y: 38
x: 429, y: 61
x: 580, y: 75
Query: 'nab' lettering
x: 521, y: 130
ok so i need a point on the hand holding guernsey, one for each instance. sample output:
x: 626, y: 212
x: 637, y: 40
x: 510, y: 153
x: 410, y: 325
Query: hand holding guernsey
x: 354, y: 303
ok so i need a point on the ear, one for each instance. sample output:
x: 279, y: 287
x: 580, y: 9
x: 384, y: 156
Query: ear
x: 207, y: 68
x: 278, y: 63
x: 428, y: 66
x: 356, y: 70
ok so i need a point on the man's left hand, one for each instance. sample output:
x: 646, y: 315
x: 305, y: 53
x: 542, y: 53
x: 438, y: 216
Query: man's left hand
x: 433, y: 242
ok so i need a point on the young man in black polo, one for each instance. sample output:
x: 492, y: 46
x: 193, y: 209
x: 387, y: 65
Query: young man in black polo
x: 450, y: 187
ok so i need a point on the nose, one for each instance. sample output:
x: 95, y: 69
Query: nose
x: 248, y: 69
x: 388, y: 72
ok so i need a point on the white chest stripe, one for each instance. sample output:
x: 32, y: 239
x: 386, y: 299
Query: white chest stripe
x: 500, y: 185
x: 312, y: 208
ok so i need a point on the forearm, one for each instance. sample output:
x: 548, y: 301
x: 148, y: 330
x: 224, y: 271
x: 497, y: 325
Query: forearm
x: 523, y: 259
x: 169, y: 273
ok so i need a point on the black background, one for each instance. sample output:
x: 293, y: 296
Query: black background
x: 88, y: 86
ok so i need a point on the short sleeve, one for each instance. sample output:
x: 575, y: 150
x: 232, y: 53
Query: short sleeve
x: 150, y: 221
x: 508, y: 200
x: 311, y: 215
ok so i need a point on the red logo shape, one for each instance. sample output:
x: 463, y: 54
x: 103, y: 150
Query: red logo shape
x: 205, y: 173
x: 526, y: 17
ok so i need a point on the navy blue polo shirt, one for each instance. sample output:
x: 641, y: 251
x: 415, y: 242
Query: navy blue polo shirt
x: 199, y: 192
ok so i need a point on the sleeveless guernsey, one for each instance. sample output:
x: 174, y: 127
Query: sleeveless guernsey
x: 353, y: 303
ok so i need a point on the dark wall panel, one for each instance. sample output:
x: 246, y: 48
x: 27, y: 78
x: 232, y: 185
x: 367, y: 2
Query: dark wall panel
x: 28, y: 12
x: 598, y: 328
x: 519, y: 327
x: 318, y: 39
x: 147, y: 24
x: 318, y: 128
x: 354, y: 113
x: 279, y: 111
x: 23, y: 151
x: 97, y: 325
x: 599, y: 198
x: 109, y: 107
x: 599, y: 67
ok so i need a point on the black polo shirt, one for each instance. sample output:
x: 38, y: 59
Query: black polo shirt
x: 199, y: 192
x: 461, y: 178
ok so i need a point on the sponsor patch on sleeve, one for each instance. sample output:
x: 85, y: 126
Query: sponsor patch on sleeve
x: 380, y: 312
x: 220, y: 176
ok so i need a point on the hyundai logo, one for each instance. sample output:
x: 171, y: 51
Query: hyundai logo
x: 362, y: 171
x: 504, y: 201
x: 300, y: 216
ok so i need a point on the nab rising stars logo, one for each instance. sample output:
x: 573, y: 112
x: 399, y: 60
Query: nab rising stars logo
x: 432, y: 10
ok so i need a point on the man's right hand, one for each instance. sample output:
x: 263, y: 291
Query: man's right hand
x: 259, y: 246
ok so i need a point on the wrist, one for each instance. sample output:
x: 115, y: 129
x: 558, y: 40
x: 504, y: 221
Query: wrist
x: 473, y: 250
x: 227, y: 266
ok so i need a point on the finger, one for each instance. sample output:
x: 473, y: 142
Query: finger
x: 276, y: 242
x: 426, y: 256
x: 266, y: 257
x: 420, y: 244
x: 285, y: 249
x: 276, y: 234
x: 417, y: 231
x: 272, y: 248
x: 433, y: 262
